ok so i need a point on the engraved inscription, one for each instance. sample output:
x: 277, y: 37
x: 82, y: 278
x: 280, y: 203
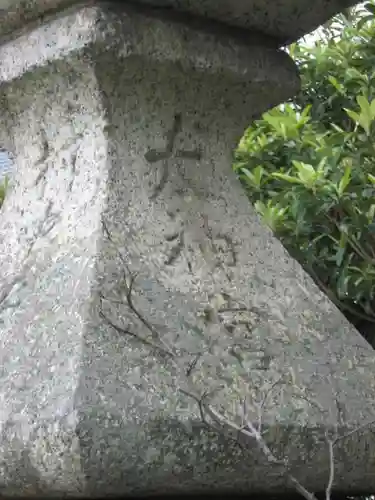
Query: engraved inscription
x: 219, y: 249
x: 170, y: 152
x: 178, y: 250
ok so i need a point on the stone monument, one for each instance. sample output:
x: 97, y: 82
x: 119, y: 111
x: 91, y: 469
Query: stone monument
x: 154, y: 336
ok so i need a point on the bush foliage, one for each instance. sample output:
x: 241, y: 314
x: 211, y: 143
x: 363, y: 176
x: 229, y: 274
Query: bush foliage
x: 3, y: 188
x: 309, y: 165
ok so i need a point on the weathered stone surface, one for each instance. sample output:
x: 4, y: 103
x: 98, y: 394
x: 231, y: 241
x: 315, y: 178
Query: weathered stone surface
x: 284, y: 20
x: 125, y: 221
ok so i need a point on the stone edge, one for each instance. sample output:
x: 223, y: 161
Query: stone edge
x: 100, y: 26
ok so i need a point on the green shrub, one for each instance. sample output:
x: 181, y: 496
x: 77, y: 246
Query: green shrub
x: 309, y: 165
x: 3, y: 189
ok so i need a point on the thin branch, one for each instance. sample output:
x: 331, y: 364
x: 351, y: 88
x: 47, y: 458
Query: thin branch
x: 218, y: 422
x: 155, y: 334
x: 204, y: 409
x: 331, y: 468
x: 250, y: 432
x: 129, y: 288
x: 108, y: 234
x: 7, y: 290
x: 300, y: 489
x: 354, y: 431
x: 253, y: 433
x: 260, y: 407
x: 271, y: 458
x: 129, y: 291
x: 192, y: 365
x: 143, y: 340
x: 265, y: 398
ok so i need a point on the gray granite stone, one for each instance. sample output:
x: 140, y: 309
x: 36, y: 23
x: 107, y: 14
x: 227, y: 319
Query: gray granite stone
x: 283, y: 20
x: 124, y: 222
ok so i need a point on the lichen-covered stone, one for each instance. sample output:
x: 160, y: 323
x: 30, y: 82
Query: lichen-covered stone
x: 137, y: 280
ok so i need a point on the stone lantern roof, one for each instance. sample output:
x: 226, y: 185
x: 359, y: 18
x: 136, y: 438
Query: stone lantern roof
x: 283, y: 20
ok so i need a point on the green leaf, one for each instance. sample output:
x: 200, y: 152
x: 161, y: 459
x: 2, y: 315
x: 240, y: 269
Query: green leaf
x: 306, y: 173
x: 340, y: 256
x: 255, y: 176
x: 247, y: 173
x: 305, y: 115
x: 285, y: 177
x: 364, y: 105
x: 337, y: 128
x: 271, y: 214
x: 258, y: 174
x: 3, y: 189
x: 363, y: 119
x: 371, y: 213
x: 338, y: 86
x: 345, y: 180
x: 353, y: 115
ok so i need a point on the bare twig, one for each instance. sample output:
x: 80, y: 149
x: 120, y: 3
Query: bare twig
x: 217, y: 424
x: 7, y: 290
x: 301, y: 489
x: 210, y: 417
x: 129, y: 290
x: 331, y: 468
x: 143, y: 340
x: 110, y: 239
x: 193, y: 364
x: 354, y: 431
x: 264, y: 401
x: 250, y: 431
x: 253, y: 432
